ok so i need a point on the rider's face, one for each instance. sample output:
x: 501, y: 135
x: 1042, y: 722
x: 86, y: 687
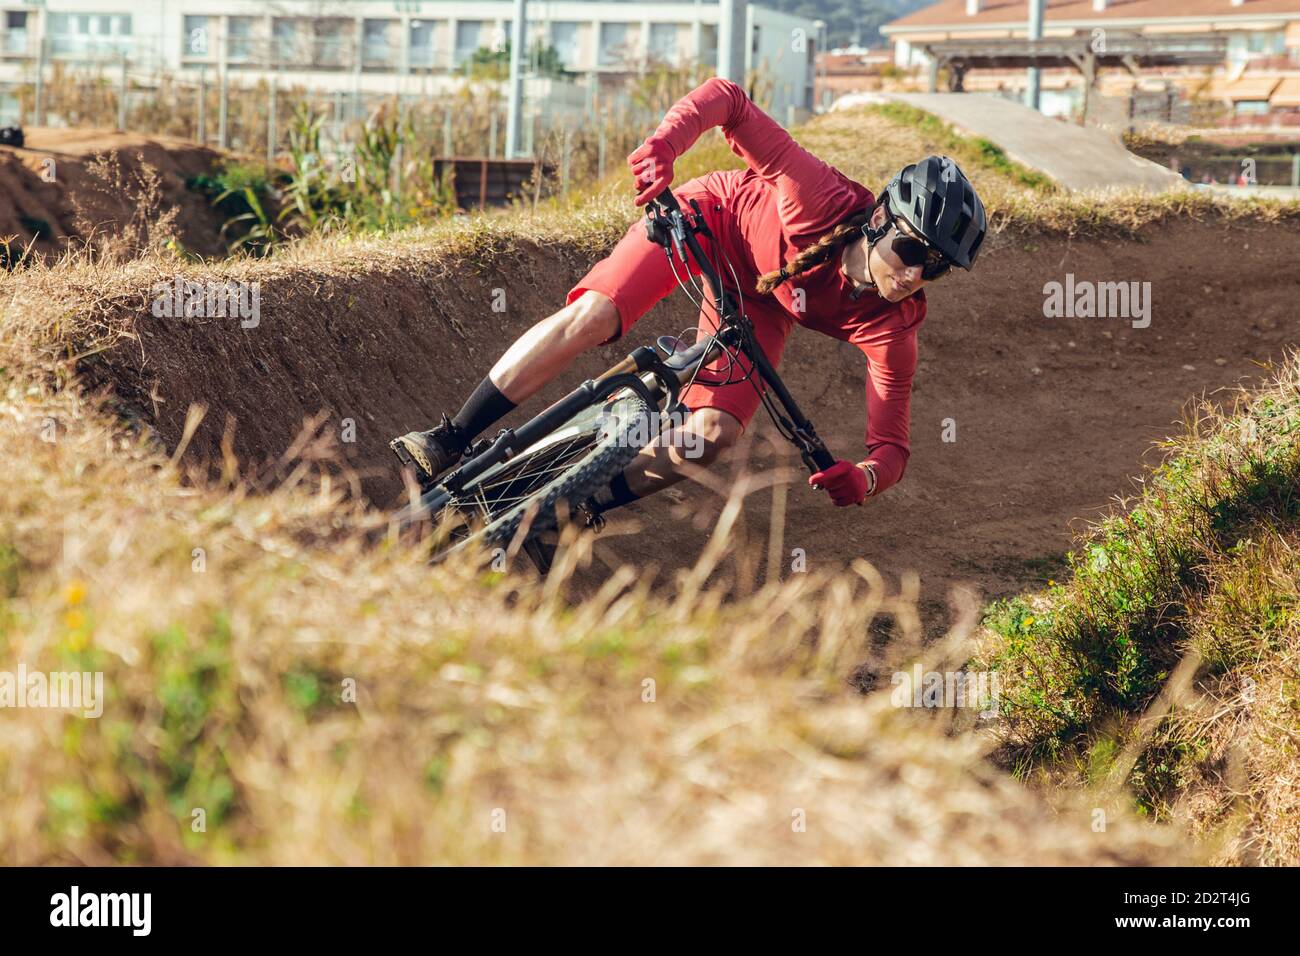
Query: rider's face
x: 894, y: 280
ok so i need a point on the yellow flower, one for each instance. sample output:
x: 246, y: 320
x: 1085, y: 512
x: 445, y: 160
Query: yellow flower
x: 1029, y: 622
x: 74, y: 593
x: 74, y: 619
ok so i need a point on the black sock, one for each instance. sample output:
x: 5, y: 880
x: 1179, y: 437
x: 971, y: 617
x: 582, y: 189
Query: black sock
x: 616, y: 495
x: 485, y: 407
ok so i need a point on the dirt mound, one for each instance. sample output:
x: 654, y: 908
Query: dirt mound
x: 48, y: 189
x: 1051, y: 415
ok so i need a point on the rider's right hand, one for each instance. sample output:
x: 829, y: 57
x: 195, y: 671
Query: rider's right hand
x: 844, y: 481
x: 652, y: 169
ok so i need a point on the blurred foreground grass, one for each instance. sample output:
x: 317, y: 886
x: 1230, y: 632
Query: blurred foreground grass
x: 285, y: 682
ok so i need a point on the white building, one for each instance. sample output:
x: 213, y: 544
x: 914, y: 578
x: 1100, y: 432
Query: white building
x: 381, y: 46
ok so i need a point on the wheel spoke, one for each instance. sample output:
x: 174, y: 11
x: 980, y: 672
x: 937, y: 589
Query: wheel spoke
x: 504, y: 491
x: 536, y: 476
x: 524, y: 477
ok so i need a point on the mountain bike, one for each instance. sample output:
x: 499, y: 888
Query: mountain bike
x: 514, y: 488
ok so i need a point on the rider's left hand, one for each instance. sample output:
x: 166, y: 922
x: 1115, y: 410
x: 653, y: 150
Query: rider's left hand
x: 844, y: 481
x: 651, y: 164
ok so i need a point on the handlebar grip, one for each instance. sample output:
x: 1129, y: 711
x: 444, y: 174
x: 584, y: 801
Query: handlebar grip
x: 822, y: 458
x: 668, y: 201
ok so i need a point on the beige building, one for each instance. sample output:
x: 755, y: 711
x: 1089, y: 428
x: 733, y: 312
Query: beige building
x: 1241, y: 54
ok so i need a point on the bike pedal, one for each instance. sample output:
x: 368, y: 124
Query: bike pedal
x: 402, y: 454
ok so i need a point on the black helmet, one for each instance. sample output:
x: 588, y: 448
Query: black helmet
x: 940, y: 204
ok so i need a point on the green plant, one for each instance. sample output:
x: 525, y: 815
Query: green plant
x: 312, y: 201
x: 387, y: 182
x: 244, y: 193
x: 486, y: 63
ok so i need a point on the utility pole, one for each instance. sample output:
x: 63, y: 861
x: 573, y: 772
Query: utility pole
x: 515, y: 99
x: 1032, y: 88
x: 123, y: 87
x: 697, y: 31
x: 201, y: 121
x: 272, y: 134
x: 42, y: 55
x: 223, y: 111
x: 732, y: 40
x: 820, y: 63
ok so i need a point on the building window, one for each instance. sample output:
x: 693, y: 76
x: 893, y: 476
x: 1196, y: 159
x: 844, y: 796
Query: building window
x: 1268, y: 43
x: 16, y: 31
x: 377, y: 47
x: 239, y: 43
x: 566, y: 39
x: 468, y: 39
x: 663, y: 43
x: 331, y: 42
x: 1245, y: 46
x: 709, y: 45
x: 615, y: 44
x: 91, y: 35
x: 290, y: 46
x: 196, y: 41
x: 421, y: 42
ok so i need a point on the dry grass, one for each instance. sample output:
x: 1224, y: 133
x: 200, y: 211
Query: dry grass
x: 1239, y: 726
x: 150, y: 228
x: 229, y: 626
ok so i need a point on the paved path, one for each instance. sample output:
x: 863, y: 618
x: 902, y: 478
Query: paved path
x: 1074, y: 156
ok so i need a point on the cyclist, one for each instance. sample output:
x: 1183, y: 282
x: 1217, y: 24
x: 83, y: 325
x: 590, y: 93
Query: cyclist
x: 806, y: 246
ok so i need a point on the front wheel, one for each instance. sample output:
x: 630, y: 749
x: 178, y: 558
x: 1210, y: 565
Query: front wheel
x: 557, y: 473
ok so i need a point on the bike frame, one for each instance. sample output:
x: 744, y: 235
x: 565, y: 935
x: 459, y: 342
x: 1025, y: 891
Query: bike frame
x: 643, y: 371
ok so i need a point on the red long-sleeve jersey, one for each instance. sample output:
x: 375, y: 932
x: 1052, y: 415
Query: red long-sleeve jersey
x: 784, y: 201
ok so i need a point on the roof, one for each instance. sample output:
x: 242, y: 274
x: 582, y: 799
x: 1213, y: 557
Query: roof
x: 1288, y: 93
x: 1246, y: 88
x: 952, y: 13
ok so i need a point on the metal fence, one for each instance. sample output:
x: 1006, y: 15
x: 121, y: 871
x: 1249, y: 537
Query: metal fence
x: 575, y: 127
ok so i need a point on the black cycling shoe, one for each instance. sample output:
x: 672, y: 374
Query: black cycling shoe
x: 432, y: 452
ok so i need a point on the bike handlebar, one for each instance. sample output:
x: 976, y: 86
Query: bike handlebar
x: 814, y: 450
x: 668, y: 200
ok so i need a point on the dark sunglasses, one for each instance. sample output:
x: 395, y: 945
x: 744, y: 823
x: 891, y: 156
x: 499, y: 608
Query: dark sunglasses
x: 914, y: 252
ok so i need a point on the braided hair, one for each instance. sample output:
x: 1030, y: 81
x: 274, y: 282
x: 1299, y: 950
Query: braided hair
x: 818, y: 252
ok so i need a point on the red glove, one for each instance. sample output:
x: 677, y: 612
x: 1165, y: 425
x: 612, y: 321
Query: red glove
x: 652, y: 169
x: 845, y: 481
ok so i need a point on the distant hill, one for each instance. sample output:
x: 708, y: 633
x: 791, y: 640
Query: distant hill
x: 850, y: 21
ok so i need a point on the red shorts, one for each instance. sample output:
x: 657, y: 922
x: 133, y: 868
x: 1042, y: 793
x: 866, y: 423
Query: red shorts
x: 637, y: 274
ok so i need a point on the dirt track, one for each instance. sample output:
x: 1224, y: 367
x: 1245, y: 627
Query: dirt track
x: 1052, y: 416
